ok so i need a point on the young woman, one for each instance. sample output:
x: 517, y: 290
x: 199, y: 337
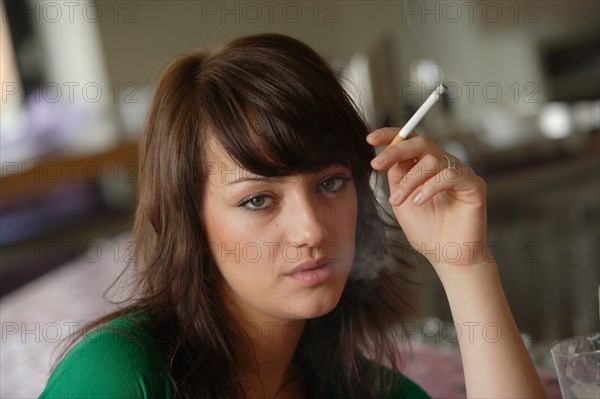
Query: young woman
x: 263, y: 261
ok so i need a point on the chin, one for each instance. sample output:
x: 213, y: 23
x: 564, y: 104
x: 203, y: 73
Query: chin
x: 316, y: 308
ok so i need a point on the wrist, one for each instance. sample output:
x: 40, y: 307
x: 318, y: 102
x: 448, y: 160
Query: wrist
x: 478, y: 273
x: 455, y: 254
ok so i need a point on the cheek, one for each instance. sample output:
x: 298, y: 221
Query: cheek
x: 239, y: 252
x: 218, y: 228
x: 221, y: 222
x: 342, y: 226
x: 348, y: 219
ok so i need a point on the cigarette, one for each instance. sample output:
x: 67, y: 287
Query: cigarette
x: 416, y: 118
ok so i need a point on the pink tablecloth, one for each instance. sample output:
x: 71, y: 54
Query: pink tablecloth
x: 439, y: 372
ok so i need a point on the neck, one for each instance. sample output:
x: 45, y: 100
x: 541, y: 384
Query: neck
x: 266, y: 369
x: 272, y: 344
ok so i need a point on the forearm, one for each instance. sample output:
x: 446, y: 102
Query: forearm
x: 495, y: 361
x: 440, y: 201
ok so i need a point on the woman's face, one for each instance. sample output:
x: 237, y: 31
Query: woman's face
x: 284, y: 246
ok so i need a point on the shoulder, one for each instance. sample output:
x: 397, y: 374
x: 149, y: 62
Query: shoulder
x: 395, y: 385
x: 118, y: 360
x: 403, y: 388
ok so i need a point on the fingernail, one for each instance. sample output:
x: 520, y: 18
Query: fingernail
x: 379, y: 160
x: 394, y: 197
x: 417, y: 198
x: 374, y: 135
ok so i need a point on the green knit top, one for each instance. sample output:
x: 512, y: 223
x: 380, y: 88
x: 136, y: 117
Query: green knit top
x: 123, y: 362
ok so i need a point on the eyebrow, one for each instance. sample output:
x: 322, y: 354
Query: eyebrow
x: 254, y: 179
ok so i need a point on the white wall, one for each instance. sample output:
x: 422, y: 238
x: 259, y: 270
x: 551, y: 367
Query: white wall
x: 478, y: 46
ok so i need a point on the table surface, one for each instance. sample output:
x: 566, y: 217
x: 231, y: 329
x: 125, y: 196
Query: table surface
x: 37, y: 316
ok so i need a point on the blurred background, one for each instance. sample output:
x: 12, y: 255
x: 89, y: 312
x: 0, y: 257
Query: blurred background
x: 523, y: 109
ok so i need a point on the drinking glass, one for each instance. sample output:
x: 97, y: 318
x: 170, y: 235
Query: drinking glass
x: 577, y: 362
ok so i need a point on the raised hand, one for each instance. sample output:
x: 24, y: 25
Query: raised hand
x: 439, y: 202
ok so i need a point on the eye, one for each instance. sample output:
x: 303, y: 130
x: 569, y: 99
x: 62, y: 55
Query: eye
x: 334, y: 184
x: 256, y: 202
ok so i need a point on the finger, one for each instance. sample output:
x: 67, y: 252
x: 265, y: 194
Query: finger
x: 445, y: 180
x: 386, y: 136
x: 397, y: 138
x: 414, y: 147
x: 382, y: 136
x: 427, y: 167
x: 398, y: 172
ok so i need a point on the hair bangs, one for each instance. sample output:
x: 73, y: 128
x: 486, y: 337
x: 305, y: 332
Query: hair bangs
x: 268, y: 146
x: 273, y: 121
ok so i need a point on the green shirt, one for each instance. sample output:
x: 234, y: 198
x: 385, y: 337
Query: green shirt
x: 108, y: 364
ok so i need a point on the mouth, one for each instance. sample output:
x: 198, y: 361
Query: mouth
x: 313, y: 272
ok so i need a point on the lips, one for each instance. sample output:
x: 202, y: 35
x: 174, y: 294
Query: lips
x: 309, y: 265
x: 314, y: 272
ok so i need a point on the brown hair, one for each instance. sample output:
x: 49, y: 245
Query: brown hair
x: 278, y: 109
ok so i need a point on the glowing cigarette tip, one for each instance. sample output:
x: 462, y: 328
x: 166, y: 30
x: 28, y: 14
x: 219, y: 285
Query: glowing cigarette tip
x: 416, y: 118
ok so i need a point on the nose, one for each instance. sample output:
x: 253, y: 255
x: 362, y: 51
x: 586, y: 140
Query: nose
x: 306, y: 220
